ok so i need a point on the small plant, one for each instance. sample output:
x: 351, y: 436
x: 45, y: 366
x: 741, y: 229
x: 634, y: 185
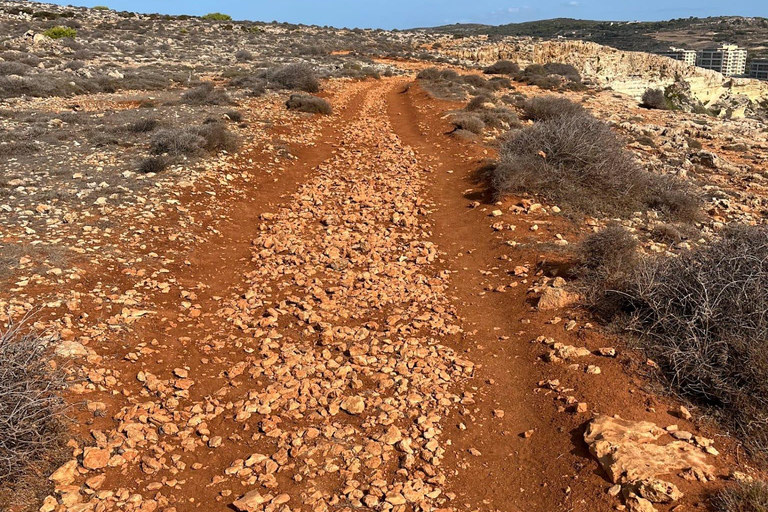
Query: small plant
x: 217, y: 16
x: 100, y: 8
x: 308, y: 103
x: 60, y: 32
x: 703, y: 317
x: 211, y: 138
x: 655, y: 98
x: 234, y: 116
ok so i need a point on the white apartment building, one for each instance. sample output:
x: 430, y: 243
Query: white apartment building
x: 727, y: 59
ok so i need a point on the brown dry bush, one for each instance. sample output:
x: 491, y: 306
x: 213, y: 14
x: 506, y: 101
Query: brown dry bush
x: 467, y: 122
x: 502, y: 67
x: 211, y: 138
x: 153, y: 164
x: 298, y: 76
x: 703, y: 317
x: 308, y: 103
x: 31, y: 406
x: 206, y: 94
x: 655, y: 98
x: 579, y: 162
x: 541, y: 108
x: 742, y: 497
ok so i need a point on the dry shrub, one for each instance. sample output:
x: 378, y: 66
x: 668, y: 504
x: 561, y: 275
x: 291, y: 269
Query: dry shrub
x: 579, y: 162
x: 206, y: 94
x: 502, y: 67
x: 742, y: 497
x: 31, y: 406
x: 703, y: 317
x: 541, y: 108
x: 153, y: 164
x: 211, y: 138
x: 467, y: 122
x: 308, y: 103
x: 298, y: 76
x: 655, y: 98
x: 142, y: 126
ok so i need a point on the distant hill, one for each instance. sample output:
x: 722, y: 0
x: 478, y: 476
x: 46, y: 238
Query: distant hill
x: 694, y: 33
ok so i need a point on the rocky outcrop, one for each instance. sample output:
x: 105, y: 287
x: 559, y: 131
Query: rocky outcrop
x: 626, y: 72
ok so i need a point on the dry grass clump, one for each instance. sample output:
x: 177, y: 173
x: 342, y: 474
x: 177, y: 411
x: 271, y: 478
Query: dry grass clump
x: 449, y: 85
x: 742, y: 497
x: 308, y: 103
x: 579, y: 162
x: 30, y: 404
x: 142, y: 126
x: 541, y: 108
x: 206, y: 94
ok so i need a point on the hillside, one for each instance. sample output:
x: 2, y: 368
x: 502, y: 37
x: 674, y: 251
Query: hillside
x: 695, y: 33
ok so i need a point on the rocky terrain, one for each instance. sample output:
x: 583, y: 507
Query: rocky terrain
x: 325, y: 310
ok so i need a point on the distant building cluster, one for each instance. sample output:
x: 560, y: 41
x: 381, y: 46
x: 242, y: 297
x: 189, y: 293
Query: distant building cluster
x: 728, y: 59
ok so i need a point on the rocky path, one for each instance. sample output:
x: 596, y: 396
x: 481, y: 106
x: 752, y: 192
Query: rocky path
x: 346, y: 342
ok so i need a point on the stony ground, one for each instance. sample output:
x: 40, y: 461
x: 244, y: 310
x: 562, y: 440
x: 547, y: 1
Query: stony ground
x: 341, y: 323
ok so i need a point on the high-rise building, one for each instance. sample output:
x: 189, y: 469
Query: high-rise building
x: 727, y: 59
x: 687, y: 56
x: 758, y: 68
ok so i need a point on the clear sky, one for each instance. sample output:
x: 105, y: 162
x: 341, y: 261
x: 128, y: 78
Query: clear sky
x: 419, y: 13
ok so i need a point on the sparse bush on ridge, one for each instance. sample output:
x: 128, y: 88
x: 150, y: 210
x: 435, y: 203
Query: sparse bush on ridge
x: 308, y: 103
x: 217, y: 16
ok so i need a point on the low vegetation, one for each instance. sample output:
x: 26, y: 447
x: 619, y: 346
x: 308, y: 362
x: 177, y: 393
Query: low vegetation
x: 217, y: 16
x: 502, y: 67
x: 206, y: 94
x: 742, y: 497
x: 299, y: 76
x: 542, y: 108
x: 31, y: 407
x: 308, y: 103
x: 190, y: 141
x: 655, y: 99
x: 577, y: 161
x: 701, y: 316
x: 60, y: 32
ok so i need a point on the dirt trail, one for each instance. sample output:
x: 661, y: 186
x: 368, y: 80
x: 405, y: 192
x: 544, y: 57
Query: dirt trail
x: 342, y: 349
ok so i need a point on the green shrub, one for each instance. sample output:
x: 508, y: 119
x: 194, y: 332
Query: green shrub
x: 217, y: 16
x: 60, y: 32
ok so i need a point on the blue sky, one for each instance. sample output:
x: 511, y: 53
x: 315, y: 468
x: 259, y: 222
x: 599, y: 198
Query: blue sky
x: 416, y: 13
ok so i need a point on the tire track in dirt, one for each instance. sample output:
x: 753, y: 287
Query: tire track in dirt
x: 323, y: 387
